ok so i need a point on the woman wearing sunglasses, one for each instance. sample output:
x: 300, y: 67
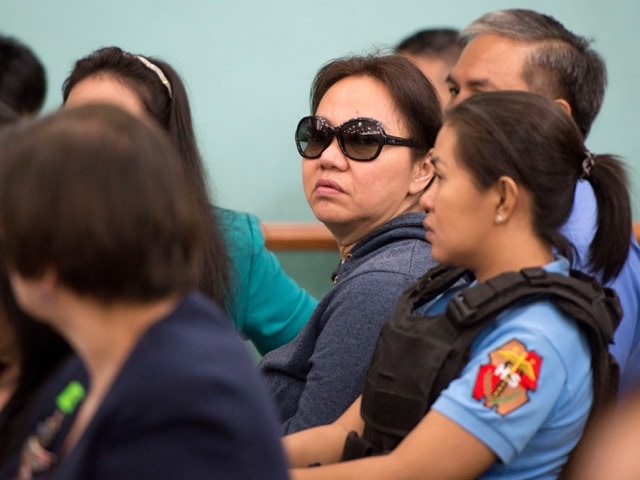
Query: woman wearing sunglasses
x: 364, y: 165
x: 506, y: 167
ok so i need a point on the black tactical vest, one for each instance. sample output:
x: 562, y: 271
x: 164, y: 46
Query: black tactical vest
x: 416, y: 357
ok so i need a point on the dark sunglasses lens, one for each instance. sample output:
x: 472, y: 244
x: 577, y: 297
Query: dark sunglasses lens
x: 361, y: 139
x: 311, y: 137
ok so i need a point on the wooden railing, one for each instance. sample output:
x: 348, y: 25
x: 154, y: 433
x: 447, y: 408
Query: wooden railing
x: 315, y: 236
x: 298, y: 236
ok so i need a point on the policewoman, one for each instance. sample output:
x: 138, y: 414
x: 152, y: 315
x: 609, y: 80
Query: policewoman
x: 506, y: 166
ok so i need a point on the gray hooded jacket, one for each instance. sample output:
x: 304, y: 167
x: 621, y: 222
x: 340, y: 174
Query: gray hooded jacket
x: 315, y: 377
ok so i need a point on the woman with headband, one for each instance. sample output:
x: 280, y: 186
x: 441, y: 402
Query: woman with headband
x: 506, y: 166
x: 364, y: 152
x: 266, y: 305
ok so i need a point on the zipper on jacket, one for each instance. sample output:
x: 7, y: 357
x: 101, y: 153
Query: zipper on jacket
x: 334, y: 277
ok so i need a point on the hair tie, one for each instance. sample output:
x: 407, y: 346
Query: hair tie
x: 587, y: 164
x: 155, y: 69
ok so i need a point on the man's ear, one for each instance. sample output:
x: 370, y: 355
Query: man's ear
x: 564, y: 105
x: 422, y: 175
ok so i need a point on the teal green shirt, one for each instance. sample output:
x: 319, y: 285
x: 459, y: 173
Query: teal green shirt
x: 268, y: 307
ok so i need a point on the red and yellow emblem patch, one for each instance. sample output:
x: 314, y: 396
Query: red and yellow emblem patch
x: 503, y: 383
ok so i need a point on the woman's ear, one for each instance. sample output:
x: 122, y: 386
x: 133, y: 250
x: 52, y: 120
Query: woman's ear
x: 49, y: 282
x: 507, y: 192
x: 422, y: 175
x: 36, y: 296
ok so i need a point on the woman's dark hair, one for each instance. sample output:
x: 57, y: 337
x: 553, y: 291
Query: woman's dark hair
x: 532, y: 140
x: 413, y: 95
x: 99, y: 196
x: 169, y: 106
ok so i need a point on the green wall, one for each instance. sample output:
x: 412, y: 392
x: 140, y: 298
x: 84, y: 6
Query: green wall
x: 248, y: 65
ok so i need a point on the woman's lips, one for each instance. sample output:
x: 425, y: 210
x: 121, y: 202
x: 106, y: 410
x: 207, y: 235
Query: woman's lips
x: 327, y: 187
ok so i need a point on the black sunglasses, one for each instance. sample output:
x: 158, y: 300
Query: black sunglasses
x: 359, y: 139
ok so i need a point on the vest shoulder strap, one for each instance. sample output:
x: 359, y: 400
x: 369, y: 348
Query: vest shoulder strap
x: 596, y: 309
x: 436, y: 281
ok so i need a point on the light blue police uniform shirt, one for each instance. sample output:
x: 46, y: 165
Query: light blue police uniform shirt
x: 580, y: 229
x: 534, y: 439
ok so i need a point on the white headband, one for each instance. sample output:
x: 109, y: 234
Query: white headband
x: 155, y: 69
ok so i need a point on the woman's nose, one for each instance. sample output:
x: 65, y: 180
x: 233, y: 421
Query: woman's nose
x: 333, y: 157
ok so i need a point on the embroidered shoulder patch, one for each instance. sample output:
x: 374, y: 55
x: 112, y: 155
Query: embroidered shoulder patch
x: 504, y: 382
